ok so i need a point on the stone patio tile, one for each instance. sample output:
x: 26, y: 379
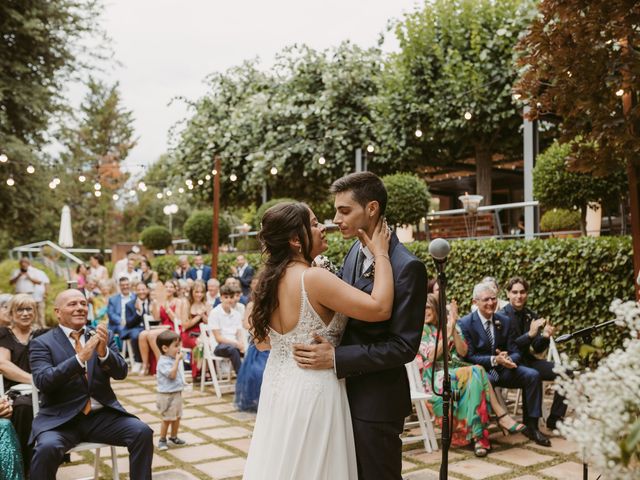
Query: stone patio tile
x: 226, y: 433
x: 527, y: 477
x: 192, y: 413
x: 206, y: 422
x: 200, y: 400
x: 149, y: 417
x: 407, y: 465
x: 520, y: 456
x: 231, y: 467
x: 75, y: 471
x: 568, y: 471
x: 154, y: 426
x: 221, y: 408
x: 132, y: 392
x: 173, y: 475
x: 123, y: 463
x: 76, y: 457
x: 559, y: 445
x: 426, y: 475
x: 242, y: 416
x: 145, y: 398
x: 241, y: 444
x: 433, y: 457
x: 515, y: 439
x: 105, y: 452
x: 199, y: 453
x: 477, y: 469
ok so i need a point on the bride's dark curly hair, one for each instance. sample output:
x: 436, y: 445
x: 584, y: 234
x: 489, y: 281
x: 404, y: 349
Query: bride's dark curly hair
x: 280, y: 224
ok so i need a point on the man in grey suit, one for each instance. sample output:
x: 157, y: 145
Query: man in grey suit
x: 371, y: 356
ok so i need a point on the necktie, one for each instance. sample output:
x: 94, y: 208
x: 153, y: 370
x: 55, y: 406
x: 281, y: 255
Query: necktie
x: 360, y: 263
x: 487, y: 328
x: 76, y: 337
x: 123, y: 311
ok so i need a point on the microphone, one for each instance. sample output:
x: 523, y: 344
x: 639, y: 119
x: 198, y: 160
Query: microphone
x: 564, y: 338
x: 439, y: 249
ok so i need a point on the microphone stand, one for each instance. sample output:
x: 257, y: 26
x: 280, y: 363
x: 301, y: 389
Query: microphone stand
x: 446, y: 379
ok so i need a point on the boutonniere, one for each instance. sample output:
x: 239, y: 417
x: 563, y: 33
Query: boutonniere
x: 371, y: 271
x: 323, y: 262
x: 497, y: 324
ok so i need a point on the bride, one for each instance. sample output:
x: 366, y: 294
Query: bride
x: 303, y: 427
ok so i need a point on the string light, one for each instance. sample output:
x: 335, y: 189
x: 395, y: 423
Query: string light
x: 97, y: 187
x: 56, y: 180
x: 207, y: 177
x: 132, y: 193
x: 52, y: 185
x: 274, y: 171
x: 517, y: 96
x: 11, y: 182
x: 169, y: 193
x: 233, y: 177
x: 82, y: 179
x: 31, y: 169
x: 3, y: 158
x: 620, y: 92
x: 190, y: 186
x: 97, y: 193
x: 322, y: 161
x: 181, y: 190
x: 116, y: 197
x: 142, y: 186
x: 200, y: 182
x: 214, y: 172
x: 467, y: 115
x: 370, y: 148
x: 159, y: 195
x: 418, y: 133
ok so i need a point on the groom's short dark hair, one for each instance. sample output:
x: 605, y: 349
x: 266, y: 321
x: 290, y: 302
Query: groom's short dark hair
x: 365, y: 186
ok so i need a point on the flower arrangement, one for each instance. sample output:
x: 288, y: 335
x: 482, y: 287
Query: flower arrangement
x: 606, y: 404
x: 324, y: 262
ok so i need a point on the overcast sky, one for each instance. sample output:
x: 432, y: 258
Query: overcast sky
x: 166, y: 47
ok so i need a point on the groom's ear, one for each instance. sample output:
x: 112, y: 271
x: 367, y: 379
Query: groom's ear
x: 373, y: 210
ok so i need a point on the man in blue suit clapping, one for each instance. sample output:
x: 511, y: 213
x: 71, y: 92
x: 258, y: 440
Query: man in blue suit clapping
x: 72, y: 366
x: 492, y: 344
x: 199, y: 271
x: 116, y: 309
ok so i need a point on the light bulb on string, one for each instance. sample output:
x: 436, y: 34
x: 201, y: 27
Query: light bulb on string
x: 233, y: 177
x: 181, y: 190
x: 82, y: 179
x: 190, y: 186
x: 4, y: 158
x: 169, y: 193
x: 97, y: 193
x: 620, y: 92
x: 322, y: 161
x: 274, y: 171
x: 517, y: 96
x: 467, y: 115
x: 370, y: 148
x: 200, y: 182
x: 97, y: 187
x: 116, y: 197
x: 418, y: 133
x: 214, y: 172
x: 207, y: 177
x: 11, y: 182
x: 132, y: 193
x: 52, y: 185
x: 142, y: 186
x: 159, y: 195
x: 31, y: 169
x: 188, y: 182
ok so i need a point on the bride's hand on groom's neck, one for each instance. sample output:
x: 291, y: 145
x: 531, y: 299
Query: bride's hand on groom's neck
x: 315, y: 357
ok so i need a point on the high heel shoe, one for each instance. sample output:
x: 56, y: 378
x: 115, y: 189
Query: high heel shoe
x: 515, y: 428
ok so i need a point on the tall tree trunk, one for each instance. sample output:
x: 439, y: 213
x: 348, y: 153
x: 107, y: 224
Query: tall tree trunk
x: 633, y: 170
x: 483, y: 173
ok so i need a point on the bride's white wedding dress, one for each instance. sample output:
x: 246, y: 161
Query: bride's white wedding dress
x: 303, y: 429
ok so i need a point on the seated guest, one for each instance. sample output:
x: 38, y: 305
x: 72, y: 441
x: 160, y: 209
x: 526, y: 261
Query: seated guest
x: 73, y: 368
x: 213, y: 292
x: 148, y: 276
x: 5, y: 319
x: 116, y: 309
x: 471, y: 412
x: 138, y: 311
x: 10, y: 457
x: 491, y: 344
x: 100, y: 302
x: 82, y: 272
x: 532, y: 338
x: 225, y: 323
x: 199, y: 271
x: 15, y: 368
x: 235, y: 284
x: 182, y: 270
x: 198, y: 313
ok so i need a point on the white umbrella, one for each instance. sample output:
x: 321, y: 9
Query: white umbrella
x: 65, y: 239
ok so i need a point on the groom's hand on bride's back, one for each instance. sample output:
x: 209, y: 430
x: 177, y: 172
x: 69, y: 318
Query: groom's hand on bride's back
x: 316, y: 357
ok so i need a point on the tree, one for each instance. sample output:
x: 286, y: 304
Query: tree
x: 555, y: 186
x: 452, y: 80
x: 41, y: 47
x: 95, y: 145
x: 156, y: 237
x: 313, y: 104
x: 199, y: 227
x: 408, y: 199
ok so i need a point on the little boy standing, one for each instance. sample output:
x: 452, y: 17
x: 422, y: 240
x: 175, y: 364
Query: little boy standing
x: 170, y: 385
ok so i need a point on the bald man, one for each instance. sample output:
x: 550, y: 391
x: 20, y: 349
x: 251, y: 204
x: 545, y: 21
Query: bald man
x: 72, y: 367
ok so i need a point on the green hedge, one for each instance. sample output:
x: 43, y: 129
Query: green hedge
x: 572, y: 280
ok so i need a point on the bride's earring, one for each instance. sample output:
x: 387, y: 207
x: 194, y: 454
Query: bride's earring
x: 300, y: 249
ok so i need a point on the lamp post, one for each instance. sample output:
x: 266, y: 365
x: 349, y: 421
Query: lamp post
x: 470, y: 203
x: 170, y: 210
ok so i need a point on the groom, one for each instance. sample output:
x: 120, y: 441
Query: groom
x: 371, y: 356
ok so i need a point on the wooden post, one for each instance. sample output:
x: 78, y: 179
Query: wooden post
x: 633, y: 170
x: 216, y: 218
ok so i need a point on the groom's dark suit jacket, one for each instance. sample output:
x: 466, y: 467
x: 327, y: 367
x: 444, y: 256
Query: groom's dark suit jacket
x: 64, y: 388
x: 372, y: 355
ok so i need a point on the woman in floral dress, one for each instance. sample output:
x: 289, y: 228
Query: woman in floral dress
x: 476, y: 398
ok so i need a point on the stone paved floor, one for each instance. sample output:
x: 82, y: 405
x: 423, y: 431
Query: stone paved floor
x: 218, y: 439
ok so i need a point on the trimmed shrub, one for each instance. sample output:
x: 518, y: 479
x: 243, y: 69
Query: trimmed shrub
x: 560, y: 219
x: 247, y: 244
x: 156, y: 237
x: 198, y: 228
x: 408, y: 200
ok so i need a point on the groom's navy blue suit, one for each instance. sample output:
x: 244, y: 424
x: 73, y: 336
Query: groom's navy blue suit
x: 64, y: 390
x: 371, y: 357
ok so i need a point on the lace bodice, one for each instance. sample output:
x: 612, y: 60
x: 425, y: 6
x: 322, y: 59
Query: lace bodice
x: 309, y: 322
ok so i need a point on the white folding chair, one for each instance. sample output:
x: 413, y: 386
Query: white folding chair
x: 1, y: 385
x: 418, y: 398
x: 83, y: 446
x: 212, y: 362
